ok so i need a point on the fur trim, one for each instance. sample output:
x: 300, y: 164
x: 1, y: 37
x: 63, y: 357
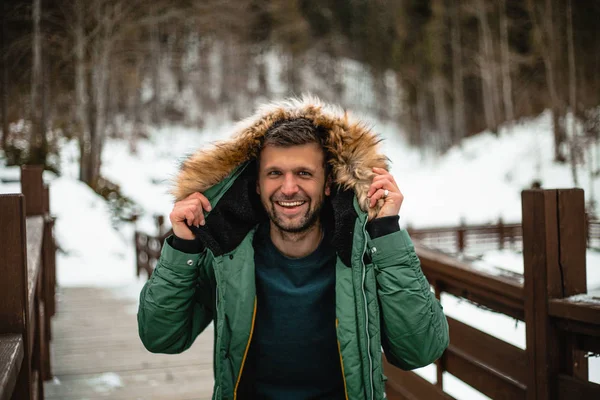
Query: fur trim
x: 353, y: 146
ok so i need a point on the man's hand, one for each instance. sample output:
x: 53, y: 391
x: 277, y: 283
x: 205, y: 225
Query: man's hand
x: 383, y: 183
x: 189, y: 211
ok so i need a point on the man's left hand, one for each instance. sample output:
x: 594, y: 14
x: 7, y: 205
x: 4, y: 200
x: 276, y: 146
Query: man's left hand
x: 384, y: 187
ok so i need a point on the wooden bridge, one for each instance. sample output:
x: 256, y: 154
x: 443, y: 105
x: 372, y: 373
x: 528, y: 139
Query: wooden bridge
x: 97, y: 353
x: 82, y: 343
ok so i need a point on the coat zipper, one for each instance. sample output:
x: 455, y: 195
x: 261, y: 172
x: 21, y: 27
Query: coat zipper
x: 364, y: 275
x: 337, y: 322
x: 245, y: 352
x: 217, y: 389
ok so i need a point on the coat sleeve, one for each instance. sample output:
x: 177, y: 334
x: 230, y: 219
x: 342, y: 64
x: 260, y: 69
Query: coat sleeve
x: 414, y: 328
x: 175, y: 304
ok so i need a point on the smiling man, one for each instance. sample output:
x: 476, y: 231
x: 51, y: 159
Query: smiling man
x: 287, y: 237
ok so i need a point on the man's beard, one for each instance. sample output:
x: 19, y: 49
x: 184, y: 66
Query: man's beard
x: 307, y: 221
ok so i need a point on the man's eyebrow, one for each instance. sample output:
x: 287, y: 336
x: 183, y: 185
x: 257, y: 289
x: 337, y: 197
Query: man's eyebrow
x: 309, y: 169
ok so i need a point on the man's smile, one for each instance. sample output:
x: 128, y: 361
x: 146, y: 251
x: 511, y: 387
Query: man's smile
x: 290, y: 208
x: 290, y: 204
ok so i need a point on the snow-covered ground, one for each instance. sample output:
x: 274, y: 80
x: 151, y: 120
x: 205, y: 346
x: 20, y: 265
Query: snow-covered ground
x: 477, y: 183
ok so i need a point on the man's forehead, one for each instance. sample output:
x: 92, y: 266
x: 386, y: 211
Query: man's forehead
x: 306, y: 154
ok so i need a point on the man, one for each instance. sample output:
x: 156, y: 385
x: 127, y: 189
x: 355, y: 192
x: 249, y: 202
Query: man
x: 286, y: 237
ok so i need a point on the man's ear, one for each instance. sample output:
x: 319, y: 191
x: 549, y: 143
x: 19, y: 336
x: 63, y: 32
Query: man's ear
x: 257, y: 187
x: 328, y: 186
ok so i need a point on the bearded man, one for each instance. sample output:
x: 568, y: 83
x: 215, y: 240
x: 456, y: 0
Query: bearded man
x: 287, y: 238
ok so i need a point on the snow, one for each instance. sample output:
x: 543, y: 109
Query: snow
x: 106, y: 382
x: 512, y: 262
x: 585, y: 298
x: 475, y: 183
x: 91, y: 252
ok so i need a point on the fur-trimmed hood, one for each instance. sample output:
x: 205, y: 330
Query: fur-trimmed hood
x: 354, y: 148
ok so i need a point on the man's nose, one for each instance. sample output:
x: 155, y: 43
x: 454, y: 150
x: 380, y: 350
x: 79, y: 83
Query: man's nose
x: 289, y: 186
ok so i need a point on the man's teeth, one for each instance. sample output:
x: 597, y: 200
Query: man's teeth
x: 290, y: 203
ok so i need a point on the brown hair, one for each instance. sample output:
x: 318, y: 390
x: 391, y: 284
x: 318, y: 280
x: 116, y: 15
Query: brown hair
x: 296, y: 132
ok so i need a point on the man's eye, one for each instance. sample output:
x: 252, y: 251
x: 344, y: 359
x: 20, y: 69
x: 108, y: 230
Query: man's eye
x: 304, y: 173
x: 274, y: 173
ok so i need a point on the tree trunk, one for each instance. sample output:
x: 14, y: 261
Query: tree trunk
x: 422, y: 116
x: 3, y: 79
x: 37, y: 141
x: 436, y: 34
x: 292, y: 69
x: 100, y: 89
x: 544, y: 33
x: 156, y: 57
x: 509, y: 113
x: 81, y: 94
x: 572, y: 94
x: 381, y: 106
x: 488, y: 68
x: 225, y: 90
x: 457, y: 77
x: 261, y: 70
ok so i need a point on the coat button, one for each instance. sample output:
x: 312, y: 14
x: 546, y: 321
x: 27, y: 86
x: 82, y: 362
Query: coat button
x: 190, y: 262
x: 231, y: 256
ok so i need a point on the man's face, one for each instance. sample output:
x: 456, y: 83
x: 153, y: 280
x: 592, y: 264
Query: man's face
x: 291, y: 184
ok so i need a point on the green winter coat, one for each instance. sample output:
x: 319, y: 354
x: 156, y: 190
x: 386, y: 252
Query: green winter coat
x: 382, y: 297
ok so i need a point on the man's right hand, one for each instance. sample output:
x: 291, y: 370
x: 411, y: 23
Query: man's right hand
x: 187, y: 212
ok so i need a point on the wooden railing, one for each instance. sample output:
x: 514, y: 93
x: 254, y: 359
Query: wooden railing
x: 478, y: 239
x: 562, y: 322
x: 27, y: 288
x: 148, y: 247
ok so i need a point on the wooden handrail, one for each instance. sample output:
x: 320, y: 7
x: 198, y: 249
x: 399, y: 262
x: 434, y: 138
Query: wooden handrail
x: 27, y: 261
x: 11, y: 359
x: 500, y: 291
x: 35, y: 231
x: 473, y: 237
x: 577, y: 309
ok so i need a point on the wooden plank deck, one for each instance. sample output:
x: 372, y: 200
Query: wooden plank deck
x: 97, y: 354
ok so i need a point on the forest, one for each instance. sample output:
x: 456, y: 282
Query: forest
x: 442, y: 70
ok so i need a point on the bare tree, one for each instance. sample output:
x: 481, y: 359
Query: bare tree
x: 156, y: 64
x: 487, y: 67
x: 544, y: 32
x: 509, y: 113
x: 457, y: 75
x: 81, y: 39
x: 37, y: 138
x: 574, y: 147
x: 437, y: 34
x: 3, y: 79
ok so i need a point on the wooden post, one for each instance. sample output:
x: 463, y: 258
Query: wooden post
x: 137, y: 253
x: 32, y: 186
x: 49, y: 261
x: 587, y: 229
x: 439, y: 363
x: 501, y: 234
x: 47, y: 289
x: 573, y: 247
x: 461, y: 237
x: 554, y: 264
x: 160, y: 220
x: 14, y: 301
